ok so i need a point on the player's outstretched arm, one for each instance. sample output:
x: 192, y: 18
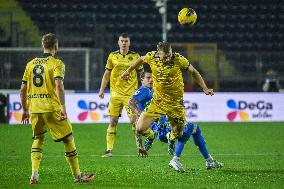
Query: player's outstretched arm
x: 23, y: 95
x: 104, y: 83
x: 133, y: 106
x: 141, y: 152
x: 196, y: 75
x: 135, y: 65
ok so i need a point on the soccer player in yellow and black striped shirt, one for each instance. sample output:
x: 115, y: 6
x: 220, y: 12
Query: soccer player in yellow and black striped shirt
x: 168, y: 90
x: 43, y: 101
x: 120, y: 90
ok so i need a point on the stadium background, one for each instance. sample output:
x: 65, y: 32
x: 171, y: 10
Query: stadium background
x: 233, y: 44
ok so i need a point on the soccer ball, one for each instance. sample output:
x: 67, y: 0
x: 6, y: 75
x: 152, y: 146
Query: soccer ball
x: 187, y: 16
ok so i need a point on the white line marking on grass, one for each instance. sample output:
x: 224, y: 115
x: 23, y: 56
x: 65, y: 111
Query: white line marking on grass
x: 134, y: 155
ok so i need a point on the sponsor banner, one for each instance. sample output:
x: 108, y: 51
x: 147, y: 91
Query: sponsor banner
x: 234, y: 107
x: 81, y: 108
x: 222, y: 107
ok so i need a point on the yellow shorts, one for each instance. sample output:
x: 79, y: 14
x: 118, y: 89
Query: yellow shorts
x: 175, y: 112
x: 116, y: 105
x: 59, y: 129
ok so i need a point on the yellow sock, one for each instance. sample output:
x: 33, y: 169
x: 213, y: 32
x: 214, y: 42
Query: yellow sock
x: 149, y: 133
x: 72, y: 157
x: 110, y: 137
x: 133, y: 129
x: 172, y: 136
x: 36, y: 154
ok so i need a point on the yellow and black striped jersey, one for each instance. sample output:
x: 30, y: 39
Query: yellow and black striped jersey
x: 117, y: 64
x: 40, y: 75
x: 168, y: 83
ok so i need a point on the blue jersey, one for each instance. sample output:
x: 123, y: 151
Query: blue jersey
x: 143, y: 97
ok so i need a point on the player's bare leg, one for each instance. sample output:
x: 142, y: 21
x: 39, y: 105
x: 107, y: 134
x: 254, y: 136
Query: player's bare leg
x: 143, y: 123
x: 133, y: 120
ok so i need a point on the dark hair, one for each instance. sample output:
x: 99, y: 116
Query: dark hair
x: 49, y: 40
x: 124, y: 35
x: 164, y: 46
x: 146, y: 69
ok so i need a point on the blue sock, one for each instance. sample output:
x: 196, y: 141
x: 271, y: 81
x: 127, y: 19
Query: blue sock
x: 179, y: 148
x: 200, y: 143
x: 183, y: 139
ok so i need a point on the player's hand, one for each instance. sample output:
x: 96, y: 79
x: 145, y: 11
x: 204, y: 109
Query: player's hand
x: 101, y: 94
x: 125, y: 75
x: 209, y: 92
x: 25, y: 117
x: 63, y: 114
x: 142, y: 153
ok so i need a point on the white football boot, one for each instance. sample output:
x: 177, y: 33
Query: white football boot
x: 176, y: 165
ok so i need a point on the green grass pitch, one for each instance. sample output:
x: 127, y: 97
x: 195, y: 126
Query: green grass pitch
x: 253, y: 154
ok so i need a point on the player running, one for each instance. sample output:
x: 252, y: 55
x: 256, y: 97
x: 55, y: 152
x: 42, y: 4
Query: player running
x: 141, y: 99
x: 169, y: 88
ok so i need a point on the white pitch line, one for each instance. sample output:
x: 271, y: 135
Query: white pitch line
x: 150, y: 155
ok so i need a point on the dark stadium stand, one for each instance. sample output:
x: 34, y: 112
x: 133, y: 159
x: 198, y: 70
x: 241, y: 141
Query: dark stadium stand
x: 235, y: 26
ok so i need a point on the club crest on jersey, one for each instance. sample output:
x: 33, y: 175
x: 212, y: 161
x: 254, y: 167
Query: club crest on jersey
x: 130, y: 58
x: 63, y: 71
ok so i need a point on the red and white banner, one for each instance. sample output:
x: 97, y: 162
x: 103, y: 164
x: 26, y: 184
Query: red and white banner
x: 222, y: 107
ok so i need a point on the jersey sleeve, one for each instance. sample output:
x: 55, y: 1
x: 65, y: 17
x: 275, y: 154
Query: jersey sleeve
x: 184, y: 63
x: 109, y: 65
x: 59, y: 70
x: 140, y: 68
x: 148, y: 57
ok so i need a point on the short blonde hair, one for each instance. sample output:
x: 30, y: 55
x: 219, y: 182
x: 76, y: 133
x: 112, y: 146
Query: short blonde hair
x: 49, y: 40
x: 164, y: 46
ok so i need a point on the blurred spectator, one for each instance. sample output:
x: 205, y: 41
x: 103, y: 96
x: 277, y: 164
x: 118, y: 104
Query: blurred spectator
x: 271, y: 83
x: 3, y: 104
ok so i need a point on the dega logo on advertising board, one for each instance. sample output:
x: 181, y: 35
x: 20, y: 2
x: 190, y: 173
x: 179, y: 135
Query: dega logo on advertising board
x: 247, y: 110
x: 15, y: 110
x: 89, y: 109
x: 190, y: 107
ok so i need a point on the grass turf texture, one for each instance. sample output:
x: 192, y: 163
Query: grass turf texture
x: 253, y: 155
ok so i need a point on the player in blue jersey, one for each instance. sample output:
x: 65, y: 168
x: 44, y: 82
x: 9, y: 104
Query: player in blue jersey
x: 141, y: 99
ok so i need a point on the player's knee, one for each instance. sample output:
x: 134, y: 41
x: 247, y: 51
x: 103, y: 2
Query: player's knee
x: 185, y: 137
x: 40, y: 138
x: 198, y: 139
x: 178, y: 134
x: 133, y: 120
x: 113, y: 122
x: 67, y: 139
x: 139, y: 130
x: 196, y: 130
